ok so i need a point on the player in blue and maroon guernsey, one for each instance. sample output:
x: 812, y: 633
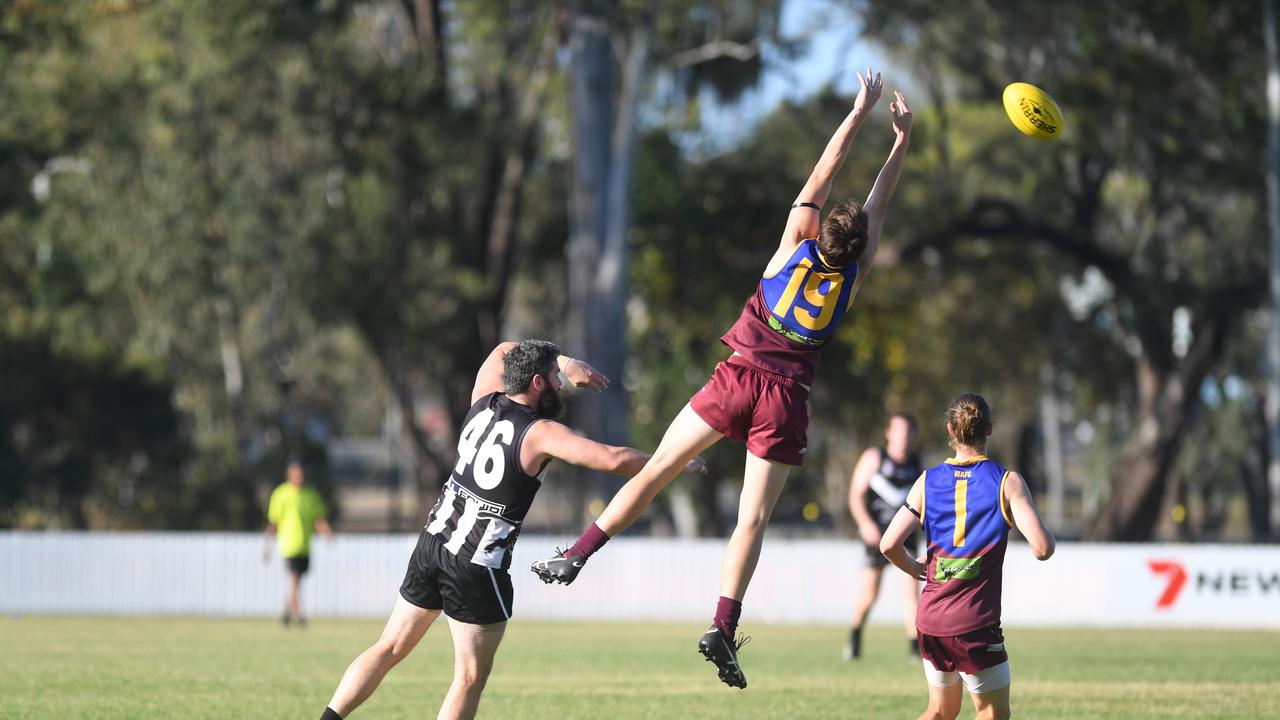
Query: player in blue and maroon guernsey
x: 759, y: 394
x: 967, y: 506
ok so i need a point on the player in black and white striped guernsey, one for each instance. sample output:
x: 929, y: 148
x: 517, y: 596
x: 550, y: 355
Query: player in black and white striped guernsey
x: 486, y: 498
x: 881, y: 481
x: 459, y: 566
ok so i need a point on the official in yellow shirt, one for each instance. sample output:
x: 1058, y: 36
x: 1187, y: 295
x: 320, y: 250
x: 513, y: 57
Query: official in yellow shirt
x: 294, y: 514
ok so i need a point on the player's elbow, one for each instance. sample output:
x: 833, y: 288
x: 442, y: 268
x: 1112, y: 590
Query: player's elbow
x: 625, y: 461
x: 886, y: 547
x: 1043, y: 550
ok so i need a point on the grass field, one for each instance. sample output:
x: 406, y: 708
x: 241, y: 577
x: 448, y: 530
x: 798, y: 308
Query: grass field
x: 107, y: 668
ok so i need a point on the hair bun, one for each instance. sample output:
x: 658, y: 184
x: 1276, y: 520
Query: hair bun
x: 970, y: 419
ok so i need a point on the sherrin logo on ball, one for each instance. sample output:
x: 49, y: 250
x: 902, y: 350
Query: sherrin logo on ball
x: 1032, y: 111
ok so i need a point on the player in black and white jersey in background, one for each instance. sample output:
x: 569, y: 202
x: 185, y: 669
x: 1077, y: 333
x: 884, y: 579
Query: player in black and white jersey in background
x: 881, y: 480
x: 459, y: 566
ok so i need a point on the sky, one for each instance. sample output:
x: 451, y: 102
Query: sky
x: 835, y: 51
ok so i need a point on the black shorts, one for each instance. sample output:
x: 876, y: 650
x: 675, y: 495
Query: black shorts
x: 300, y: 564
x: 877, y: 560
x: 436, y: 579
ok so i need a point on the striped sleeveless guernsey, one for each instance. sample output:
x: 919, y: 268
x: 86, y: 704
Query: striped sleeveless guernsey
x: 967, y: 529
x: 483, y: 504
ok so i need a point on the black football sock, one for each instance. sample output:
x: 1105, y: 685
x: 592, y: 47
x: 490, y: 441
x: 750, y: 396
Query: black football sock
x: 329, y: 714
x: 855, y: 642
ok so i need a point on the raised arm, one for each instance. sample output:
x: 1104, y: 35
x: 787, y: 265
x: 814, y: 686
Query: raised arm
x: 1026, y: 518
x: 805, y: 212
x: 877, y: 203
x: 489, y: 377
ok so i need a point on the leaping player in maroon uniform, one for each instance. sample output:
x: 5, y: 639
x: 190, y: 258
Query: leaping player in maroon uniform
x: 758, y: 395
x: 966, y: 506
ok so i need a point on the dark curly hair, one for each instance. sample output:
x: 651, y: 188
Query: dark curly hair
x: 843, y: 236
x: 526, y: 359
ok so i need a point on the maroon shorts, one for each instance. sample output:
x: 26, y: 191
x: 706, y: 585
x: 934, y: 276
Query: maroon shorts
x: 970, y: 653
x: 767, y: 411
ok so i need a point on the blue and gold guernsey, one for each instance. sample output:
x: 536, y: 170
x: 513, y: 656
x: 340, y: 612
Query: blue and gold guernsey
x: 966, y: 525
x: 807, y: 300
x: 793, y: 314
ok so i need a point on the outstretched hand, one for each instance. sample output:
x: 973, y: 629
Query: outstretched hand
x: 901, y: 116
x: 582, y: 375
x: 869, y: 87
x: 696, y: 465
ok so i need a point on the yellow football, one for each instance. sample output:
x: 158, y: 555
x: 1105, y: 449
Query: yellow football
x: 1032, y: 111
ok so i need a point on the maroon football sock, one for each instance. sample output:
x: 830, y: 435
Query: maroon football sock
x: 593, y: 538
x: 728, y: 611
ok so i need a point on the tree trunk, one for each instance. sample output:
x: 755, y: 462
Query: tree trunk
x: 1254, y: 480
x: 1167, y: 402
x: 1138, y: 480
x: 427, y: 465
x: 1273, y: 227
x: 600, y: 214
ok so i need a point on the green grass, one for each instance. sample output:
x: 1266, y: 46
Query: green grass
x: 106, y: 668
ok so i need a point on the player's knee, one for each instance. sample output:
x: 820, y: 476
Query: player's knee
x: 470, y: 681
x: 937, y: 712
x: 668, y: 463
x: 471, y: 676
x: 753, y: 524
x: 391, y: 650
x: 994, y: 712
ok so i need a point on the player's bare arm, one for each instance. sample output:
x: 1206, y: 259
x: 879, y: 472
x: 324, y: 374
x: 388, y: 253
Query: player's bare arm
x: 803, y: 221
x: 489, y: 377
x: 1026, y: 518
x: 269, y: 536
x: 549, y: 439
x: 877, y: 204
x: 858, y: 488
x: 577, y: 372
x: 893, y: 544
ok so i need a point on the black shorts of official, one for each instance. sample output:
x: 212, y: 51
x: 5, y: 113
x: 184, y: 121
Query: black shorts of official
x: 877, y: 560
x: 437, y: 580
x: 300, y: 564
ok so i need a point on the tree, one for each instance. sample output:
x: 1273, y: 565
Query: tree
x: 1163, y: 204
x: 700, y: 46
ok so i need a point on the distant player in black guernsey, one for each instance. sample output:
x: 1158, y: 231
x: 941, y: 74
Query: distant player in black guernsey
x: 881, y: 480
x: 459, y: 566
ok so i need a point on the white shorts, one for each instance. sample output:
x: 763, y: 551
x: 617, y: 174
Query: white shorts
x: 989, y: 680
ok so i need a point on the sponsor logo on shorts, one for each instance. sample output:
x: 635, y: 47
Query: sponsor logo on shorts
x: 947, y: 569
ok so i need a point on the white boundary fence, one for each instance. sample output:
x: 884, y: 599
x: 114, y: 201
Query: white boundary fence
x: 798, y: 581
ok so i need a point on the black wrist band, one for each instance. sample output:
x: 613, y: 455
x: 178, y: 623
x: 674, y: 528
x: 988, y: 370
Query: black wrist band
x: 805, y: 204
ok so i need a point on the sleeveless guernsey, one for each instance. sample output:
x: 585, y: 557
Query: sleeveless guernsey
x: 967, y: 530
x: 793, y: 314
x: 483, y: 504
